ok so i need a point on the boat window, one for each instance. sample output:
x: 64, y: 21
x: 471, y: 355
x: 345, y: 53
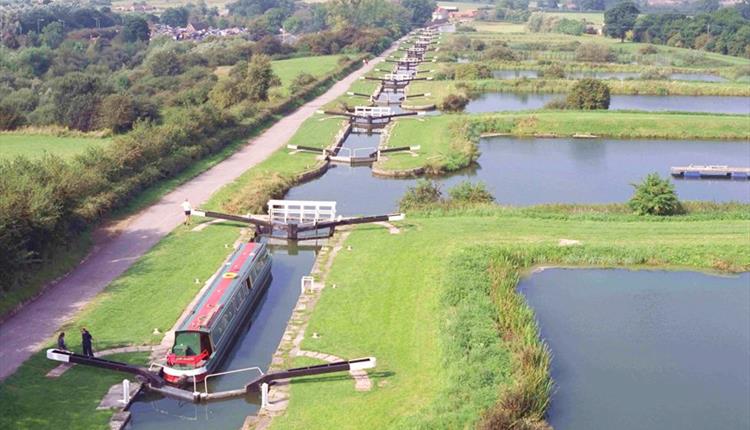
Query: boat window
x: 187, y: 343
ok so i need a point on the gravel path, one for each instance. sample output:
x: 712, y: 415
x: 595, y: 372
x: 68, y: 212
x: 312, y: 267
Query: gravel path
x: 31, y: 328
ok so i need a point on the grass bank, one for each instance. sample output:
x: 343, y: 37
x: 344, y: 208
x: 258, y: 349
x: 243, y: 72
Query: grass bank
x: 448, y: 141
x: 456, y: 346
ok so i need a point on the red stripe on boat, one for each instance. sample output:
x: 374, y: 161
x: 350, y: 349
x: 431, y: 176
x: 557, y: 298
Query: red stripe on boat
x: 210, y: 306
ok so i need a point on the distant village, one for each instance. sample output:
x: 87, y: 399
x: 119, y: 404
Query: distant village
x: 194, y: 31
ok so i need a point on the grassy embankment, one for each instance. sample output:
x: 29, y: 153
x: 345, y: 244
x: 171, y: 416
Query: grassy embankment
x: 70, y: 255
x: 452, y: 338
x: 14, y: 145
x: 160, y: 284
x: 448, y: 141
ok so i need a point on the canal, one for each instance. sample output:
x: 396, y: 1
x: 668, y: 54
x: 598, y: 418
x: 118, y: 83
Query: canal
x: 645, y: 349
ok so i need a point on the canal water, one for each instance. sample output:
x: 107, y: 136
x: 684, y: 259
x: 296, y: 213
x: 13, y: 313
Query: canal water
x: 645, y: 349
x: 533, y: 171
x: 533, y: 74
x: 499, y: 102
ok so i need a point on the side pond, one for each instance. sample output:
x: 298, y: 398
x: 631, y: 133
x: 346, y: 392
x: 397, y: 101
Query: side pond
x: 498, y: 102
x: 533, y: 171
x: 645, y: 349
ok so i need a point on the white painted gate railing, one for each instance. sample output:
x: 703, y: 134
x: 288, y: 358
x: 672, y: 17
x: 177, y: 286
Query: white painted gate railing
x: 301, y: 211
x: 372, y: 111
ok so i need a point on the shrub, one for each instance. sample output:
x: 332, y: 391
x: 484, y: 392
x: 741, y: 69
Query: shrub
x: 300, y: 81
x: 454, y: 103
x: 559, y: 103
x: 594, y: 53
x: 499, y: 52
x: 463, y: 28
x: 466, y: 192
x: 654, y: 75
x: 472, y: 71
x: 589, y: 94
x: 424, y: 193
x: 10, y: 118
x: 648, y: 50
x: 554, y: 71
x: 655, y: 196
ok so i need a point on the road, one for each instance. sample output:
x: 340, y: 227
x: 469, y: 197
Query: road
x: 31, y: 328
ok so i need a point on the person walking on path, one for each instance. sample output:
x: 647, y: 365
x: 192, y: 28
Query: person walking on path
x: 187, y: 209
x: 61, y: 342
x: 86, y: 339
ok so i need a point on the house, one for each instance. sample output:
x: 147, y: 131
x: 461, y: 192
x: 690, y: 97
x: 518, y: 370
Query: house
x: 440, y: 14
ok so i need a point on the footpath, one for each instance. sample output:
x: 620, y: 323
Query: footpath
x: 31, y: 328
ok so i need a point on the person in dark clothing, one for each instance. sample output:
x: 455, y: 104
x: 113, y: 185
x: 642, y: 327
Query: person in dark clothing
x: 86, y: 339
x: 61, y: 342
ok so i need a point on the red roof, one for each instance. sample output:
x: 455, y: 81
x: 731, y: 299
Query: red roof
x: 211, y: 305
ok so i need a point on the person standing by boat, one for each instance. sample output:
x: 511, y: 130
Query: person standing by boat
x: 61, y: 341
x: 86, y: 339
x: 187, y: 209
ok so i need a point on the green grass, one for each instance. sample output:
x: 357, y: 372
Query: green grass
x: 463, y: 6
x: 592, y: 17
x: 385, y: 308
x: 317, y: 66
x: 498, y: 27
x: 33, y: 401
x: 160, y: 5
x: 35, y: 146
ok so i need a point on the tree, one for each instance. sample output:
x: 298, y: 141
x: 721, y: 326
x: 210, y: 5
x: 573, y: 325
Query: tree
x: 589, y: 94
x: 551, y: 4
x: 708, y: 5
x: 175, y: 17
x: 260, y: 78
x: 655, y: 196
x: 35, y: 61
x: 590, y: 4
x: 10, y: 118
x: 620, y: 19
x: 75, y: 100
x: 135, y: 29
x: 119, y: 112
x: 53, y: 34
x: 421, y: 10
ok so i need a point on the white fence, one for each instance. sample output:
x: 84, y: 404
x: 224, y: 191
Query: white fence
x: 301, y: 211
x: 372, y: 111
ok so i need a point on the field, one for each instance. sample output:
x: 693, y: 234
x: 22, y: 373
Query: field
x: 160, y: 5
x: 592, y: 17
x: 498, y: 27
x: 35, y: 145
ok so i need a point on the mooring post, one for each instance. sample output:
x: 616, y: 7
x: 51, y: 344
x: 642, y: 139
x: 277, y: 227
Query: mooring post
x: 264, y: 395
x: 125, y: 391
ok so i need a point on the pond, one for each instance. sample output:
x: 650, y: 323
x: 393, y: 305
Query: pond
x: 498, y: 102
x: 534, y: 171
x: 645, y: 349
x: 255, y: 347
x: 704, y: 77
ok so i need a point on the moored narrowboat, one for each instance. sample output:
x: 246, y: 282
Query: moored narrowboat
x: 209, y: 331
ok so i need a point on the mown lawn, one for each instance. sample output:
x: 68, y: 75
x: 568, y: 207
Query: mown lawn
x: 498, y: 27
x: 317, y: 66
x: 36, y: 145
x: 386, y: 303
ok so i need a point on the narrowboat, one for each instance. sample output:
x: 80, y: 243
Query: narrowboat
x: 208, y: 332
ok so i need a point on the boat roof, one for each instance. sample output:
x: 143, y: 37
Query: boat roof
x: 221, y: 288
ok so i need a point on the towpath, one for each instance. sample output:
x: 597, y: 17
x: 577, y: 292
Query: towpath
x: 28, y: 330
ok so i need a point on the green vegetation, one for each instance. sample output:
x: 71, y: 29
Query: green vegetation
x: 33, y: 401
x: 589, y: 94
x: 448, y: 141
x: 36, y: 145
x: 655, y: 196
x: 456, y: 329
x: 317, y: 66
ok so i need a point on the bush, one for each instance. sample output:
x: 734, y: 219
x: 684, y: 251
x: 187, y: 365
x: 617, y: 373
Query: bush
x: 654, y: 75
x: 466, y: 192
x: 10, y: 118
x: 472, y: 71
x: 559, y: 103
x: 554, y: 71
x: 499, y: 52
x: 454, y: 103
x: 648, y: 50
x: 594, y: 53
x: 589, y: 94
x: 424, y: 193
x: 300, y: 81
x: 655, y: 196
x: 463, y: 28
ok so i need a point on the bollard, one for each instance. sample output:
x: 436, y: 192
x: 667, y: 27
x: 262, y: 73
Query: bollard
x: 125, y: 391
x: 264, y: 395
